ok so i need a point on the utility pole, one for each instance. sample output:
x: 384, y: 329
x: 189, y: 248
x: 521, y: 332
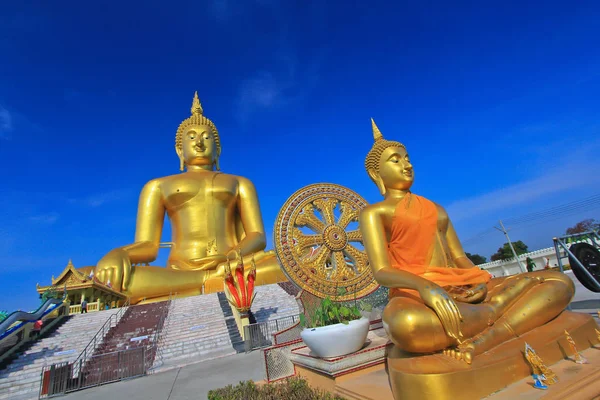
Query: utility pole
x: 503, y: 230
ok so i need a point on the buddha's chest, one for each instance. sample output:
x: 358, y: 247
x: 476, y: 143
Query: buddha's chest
x: 199, y: 193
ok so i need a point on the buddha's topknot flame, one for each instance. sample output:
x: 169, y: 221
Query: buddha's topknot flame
x: 372, y: 160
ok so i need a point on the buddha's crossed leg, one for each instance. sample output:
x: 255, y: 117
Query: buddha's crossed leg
x: 514, y: 306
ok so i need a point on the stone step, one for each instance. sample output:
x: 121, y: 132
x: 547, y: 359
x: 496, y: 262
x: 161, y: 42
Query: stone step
x: 21, y: 378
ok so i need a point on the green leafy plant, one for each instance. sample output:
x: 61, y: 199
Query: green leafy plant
x: 331, y: 312
x: 3, y: 315
x: 289, y: 389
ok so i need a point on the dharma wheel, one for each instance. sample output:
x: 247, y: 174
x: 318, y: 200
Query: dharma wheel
x: 319, y: 245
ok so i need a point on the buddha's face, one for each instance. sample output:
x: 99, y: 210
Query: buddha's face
x: 395, y: 169
x: 198, y: 146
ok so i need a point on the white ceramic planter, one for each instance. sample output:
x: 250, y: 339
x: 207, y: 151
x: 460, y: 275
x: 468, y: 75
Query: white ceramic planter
x: 336, y: 340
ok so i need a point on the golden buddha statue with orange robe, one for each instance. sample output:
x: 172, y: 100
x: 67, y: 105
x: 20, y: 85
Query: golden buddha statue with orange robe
x: 438, y: 299
x: 213, y: 216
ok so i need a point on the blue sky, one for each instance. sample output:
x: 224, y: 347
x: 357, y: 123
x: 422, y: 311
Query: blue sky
x: 498, y: 107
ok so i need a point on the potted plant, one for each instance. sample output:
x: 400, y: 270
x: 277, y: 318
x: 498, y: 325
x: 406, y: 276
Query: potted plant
x: 334, y: 329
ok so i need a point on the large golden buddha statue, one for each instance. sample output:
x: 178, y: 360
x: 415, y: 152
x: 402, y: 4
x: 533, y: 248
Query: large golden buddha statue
x: 212, y: 214
x: 438, y: 299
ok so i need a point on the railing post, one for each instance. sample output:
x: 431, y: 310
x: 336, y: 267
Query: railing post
x: 119, y: 367
x: 80, y: 374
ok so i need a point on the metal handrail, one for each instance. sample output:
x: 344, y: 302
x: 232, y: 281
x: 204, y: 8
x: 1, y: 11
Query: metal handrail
x: 101, y: 333
x: 559, y: 242
x: 158, y: 335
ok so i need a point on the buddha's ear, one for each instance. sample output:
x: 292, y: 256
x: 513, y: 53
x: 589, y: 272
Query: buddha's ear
x: 378, y: 181
x: 180, y: 155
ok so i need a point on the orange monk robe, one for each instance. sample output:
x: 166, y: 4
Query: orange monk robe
x: 414, y: 234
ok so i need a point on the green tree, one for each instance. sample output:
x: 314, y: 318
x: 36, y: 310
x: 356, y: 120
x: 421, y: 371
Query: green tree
x: 476, y: 258
x: 505, y: 253
x: 586, y: 225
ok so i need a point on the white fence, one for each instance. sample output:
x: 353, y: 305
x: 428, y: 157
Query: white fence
x: 511, y: 266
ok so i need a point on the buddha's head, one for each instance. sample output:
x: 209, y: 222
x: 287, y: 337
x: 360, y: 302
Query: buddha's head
x: 197, y: 140
x: 388, y: 164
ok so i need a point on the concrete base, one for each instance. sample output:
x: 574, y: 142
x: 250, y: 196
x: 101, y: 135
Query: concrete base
x: 580, y: 382
x: 439, y: 377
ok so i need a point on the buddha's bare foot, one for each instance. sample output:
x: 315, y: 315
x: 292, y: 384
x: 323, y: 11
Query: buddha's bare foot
x: 468, y: 294
x: 463, y: 352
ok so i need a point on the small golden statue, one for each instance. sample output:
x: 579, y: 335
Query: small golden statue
x: 540, y: 371
x: 439, y: 300
x: 579, y: 359
x: 211, y: 215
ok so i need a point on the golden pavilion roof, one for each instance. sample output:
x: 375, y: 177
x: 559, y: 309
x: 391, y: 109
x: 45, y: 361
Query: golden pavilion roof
x: 74, y: 279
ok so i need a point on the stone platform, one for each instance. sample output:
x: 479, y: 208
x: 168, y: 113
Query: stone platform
x: 327, y: 373
x: 494, y: 373
x: 581, y: 382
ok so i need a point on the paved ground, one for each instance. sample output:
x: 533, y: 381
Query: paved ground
x: 190, y: 382
x: 194, y: 381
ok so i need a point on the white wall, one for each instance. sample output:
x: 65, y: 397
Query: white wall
x: 511, y: 267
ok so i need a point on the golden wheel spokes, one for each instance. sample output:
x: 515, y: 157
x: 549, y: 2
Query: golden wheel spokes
x: 354, y: 236
x: 321, y: 257
x: 358, y: 258
x: 319, y: 245
x: 308, y: 218
x: 326, y: 206
x: 342, y: 269
x: 303, y: 241
x: 348, y: 214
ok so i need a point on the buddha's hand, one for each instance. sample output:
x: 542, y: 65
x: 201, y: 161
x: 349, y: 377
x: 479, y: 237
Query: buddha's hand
x: 208, y: 262
x: 114, y: 267
x: 445, y: 308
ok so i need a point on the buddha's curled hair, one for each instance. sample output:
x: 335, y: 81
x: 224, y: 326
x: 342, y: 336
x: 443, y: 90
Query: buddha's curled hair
x: 372, y: 160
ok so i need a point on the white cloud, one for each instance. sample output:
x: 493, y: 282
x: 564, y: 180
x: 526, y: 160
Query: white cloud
x: 262, y: 91
x: 46, y: 219
x: 100, y: 199
x: 279, y: 86
x: 567, y: 177
x: 6, y: 123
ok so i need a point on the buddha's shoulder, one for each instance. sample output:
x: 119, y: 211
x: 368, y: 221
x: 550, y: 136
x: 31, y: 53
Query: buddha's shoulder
x: 184, y: 176
x: 440, y: 209
x: 237, y: 178
x: 380, y: 209
x: 438, y: 206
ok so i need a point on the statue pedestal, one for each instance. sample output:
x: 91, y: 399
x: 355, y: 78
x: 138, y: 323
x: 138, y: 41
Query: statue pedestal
x: 329, y: 373
x: 439, y: 377
x: 444, y: 378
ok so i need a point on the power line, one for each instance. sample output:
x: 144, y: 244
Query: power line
x: 479, y: 236
x: 554, y: 218
x: 575, y: 205
x: 550, y: 214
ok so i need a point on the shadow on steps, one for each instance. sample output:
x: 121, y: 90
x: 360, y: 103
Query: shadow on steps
x: 232, y: 329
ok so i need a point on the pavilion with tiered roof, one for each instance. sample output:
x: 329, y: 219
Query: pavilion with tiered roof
x: 83, y: 287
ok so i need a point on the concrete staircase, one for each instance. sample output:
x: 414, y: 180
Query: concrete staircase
x: 21, y: 379
x: 138, y: 327
x: 272, y: 302
x: 196, y: 330
x: 201, y: 328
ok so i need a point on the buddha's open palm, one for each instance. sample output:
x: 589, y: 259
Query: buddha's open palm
x: 445, y: 308
x: 114, y: 268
